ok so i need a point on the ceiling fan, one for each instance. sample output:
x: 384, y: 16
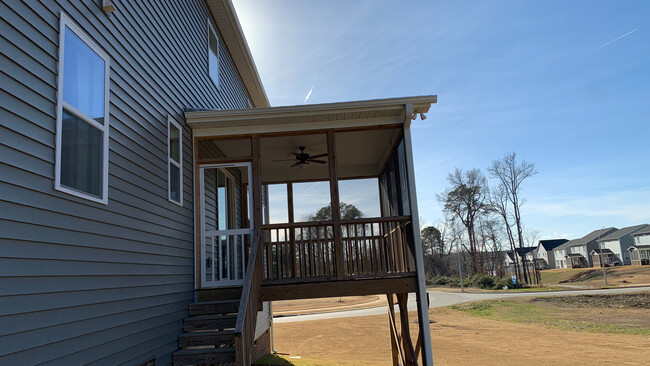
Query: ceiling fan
x: 304, y: 158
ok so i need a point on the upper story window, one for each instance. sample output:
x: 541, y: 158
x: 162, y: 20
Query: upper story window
x: 82, y: 115
x: 213, y: 54
x: 175, y: 161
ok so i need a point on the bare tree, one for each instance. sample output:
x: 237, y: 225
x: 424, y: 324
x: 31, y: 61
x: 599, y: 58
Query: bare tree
x: 499, y: 205
x: 511, y: 174
x: 465, y: 200
x: 531, y: 236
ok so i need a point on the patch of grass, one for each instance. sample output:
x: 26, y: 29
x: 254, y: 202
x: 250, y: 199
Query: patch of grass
x: 616, y: 301
x: 531, y: 312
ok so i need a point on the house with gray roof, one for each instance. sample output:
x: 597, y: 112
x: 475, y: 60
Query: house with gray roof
x: 575, y: 253
x: 613, y: 248
x: 545, y: 253
x: 640, y: 251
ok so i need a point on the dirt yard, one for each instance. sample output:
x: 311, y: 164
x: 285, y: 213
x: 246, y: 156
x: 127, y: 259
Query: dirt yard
x: 458, y: 338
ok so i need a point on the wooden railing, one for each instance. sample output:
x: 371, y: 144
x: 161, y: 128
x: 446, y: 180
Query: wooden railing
x: 376, y: 246
x: 307, y: 251
x: 247, y: 313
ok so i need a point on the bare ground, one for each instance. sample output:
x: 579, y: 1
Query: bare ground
x: 459, y: 339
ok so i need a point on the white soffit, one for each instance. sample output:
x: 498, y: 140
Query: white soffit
x: 363, y: 113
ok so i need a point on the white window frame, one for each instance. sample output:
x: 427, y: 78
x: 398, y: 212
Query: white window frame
x: 213, y: 30
x: 179, y: 164
x: 65, y: 21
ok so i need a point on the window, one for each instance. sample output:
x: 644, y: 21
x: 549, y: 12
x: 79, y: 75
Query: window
x: 82, y: 115
x: 175, y: 161
x: 213, y: 54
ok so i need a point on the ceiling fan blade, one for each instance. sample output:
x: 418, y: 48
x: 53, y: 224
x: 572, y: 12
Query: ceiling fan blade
x: 296, y: 163
x: 318, y: 155
x: 317, y: 161
x: 292, y: 159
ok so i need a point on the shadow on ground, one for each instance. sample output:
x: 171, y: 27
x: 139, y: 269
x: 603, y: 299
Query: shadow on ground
x: 273, y: 360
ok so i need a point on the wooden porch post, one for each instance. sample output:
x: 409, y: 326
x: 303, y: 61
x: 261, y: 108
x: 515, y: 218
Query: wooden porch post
x: 292, y: 234
x: 334, y: 196
x: 256, y: 182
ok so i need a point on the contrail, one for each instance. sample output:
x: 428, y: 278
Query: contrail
x: 312, y: 186
x: 309, y: 94
x: 614, y: 40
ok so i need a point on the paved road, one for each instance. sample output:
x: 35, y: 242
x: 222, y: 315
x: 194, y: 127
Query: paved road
x: 439, y: 299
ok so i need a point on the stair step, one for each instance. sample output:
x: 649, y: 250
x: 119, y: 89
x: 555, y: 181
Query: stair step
x: 214, y: 307
x: 213, y: 322
x: 206, y: 339
x: 206, y: 356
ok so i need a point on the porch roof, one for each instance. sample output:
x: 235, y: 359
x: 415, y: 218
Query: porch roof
x: 365, y: 113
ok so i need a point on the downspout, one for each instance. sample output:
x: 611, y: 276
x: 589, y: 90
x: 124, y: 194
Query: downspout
x: 422, y: 297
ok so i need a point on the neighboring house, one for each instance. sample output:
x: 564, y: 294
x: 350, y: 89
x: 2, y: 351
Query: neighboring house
x: 575, y: 253
x: 136, y: 146
x: 642, y: 237
x: 640, y: 255
x: 615, y: 247
x: 640, y: 251
x: 523, y: 255
x: 546, y: 254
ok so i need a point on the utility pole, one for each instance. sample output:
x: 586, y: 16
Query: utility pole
x: 460, y: 271
x: 602, y: 261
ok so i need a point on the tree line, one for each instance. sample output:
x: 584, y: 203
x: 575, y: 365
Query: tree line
x: 482, y: 220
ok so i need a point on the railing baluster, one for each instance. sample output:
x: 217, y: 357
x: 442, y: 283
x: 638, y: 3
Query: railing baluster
x: 212, y: 263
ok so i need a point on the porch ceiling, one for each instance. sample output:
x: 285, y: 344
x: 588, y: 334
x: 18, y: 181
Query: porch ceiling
x: 367, y: 113
x: 359, y: 154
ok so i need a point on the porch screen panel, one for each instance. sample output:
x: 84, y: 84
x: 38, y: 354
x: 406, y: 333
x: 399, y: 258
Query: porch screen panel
x: 391, y: 176
x: 210, y: 203
x: 403, y: 179
x: 383, y: 191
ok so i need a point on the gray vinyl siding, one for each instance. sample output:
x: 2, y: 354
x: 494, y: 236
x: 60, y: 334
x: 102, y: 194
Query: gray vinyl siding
x: 82, y: 282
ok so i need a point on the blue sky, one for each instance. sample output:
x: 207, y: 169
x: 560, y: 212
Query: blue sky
x: 564, y: 84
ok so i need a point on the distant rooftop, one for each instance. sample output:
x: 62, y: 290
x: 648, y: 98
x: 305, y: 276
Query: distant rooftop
x: 551, y: 244
x: 622, y: 232
x: 596, y: 234
x: 645, y: 230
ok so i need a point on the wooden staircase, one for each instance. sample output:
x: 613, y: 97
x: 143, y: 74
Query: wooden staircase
x: 209, y: 336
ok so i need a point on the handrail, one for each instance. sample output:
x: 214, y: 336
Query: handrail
x: 348, y: 221
x: 376, y: 219
x: 297, y: 225
x: 247, y: 312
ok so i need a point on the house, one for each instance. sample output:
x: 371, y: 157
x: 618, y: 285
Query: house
x: 546, y: 254
x: 575, y: 253
x: 613, y: 248
x: 136, y: 147
x: 640, y: 251
x: 523, y: 255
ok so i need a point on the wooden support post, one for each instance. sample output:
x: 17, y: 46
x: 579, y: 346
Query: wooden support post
x: 407, y: 343
x: 256, y: 187
x: 396, y: 350
x: 257, y: 183
x: 334, y: 195
x: 291, y: 231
